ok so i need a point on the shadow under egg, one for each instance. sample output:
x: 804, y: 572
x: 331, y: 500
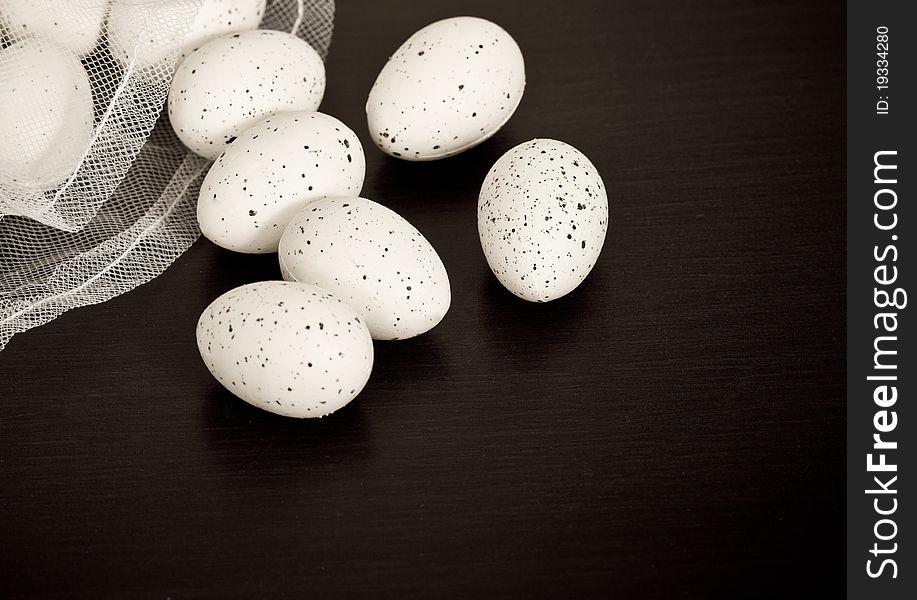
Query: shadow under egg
x: 241, y: 437
x: 400, y: 365
x: 228, y: 269
x: 537, y: 336
x: 396, y: 182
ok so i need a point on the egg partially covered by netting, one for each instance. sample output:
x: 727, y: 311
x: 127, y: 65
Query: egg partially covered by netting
x: 97, y: 194
x: 75, y: 25
x: 45, y: 114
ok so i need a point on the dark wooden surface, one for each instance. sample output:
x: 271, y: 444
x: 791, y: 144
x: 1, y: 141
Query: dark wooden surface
x: 674, y: 428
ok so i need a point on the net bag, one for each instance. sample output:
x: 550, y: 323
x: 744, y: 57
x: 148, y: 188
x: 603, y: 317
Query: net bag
x: 97, y: 194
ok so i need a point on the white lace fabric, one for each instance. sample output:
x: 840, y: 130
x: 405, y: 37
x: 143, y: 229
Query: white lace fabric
x: 127, y: 209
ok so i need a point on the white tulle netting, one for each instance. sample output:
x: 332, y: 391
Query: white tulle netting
x: 97, y: 194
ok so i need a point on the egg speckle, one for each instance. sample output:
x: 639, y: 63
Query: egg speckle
x: 219, y: 17
x: 289, y: 348
x: 373, y: 259
x: 449, y: 87
x: 147, y: 34
x: 542, y: 219
x: 271, y: 171
x: 229, y: 83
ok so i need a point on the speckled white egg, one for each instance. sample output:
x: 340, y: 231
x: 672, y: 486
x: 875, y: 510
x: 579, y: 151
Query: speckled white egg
x: 46, y: 114
x: 147, y: 33
x: 289, y: 348
x: 229, y: 83
x: 272, y: 170
x: 449, y: 87
x: 74, y: 24
x: 219, y: 17
x: 542, y: 218
x: 371, y: 258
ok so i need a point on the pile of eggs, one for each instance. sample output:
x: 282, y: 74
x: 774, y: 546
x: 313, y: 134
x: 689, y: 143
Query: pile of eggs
x: 287, y: 179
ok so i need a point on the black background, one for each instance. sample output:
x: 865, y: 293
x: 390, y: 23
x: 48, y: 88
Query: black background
x: 673, y: 428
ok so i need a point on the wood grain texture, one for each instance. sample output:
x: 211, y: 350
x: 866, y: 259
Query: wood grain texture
x: 673, y: 428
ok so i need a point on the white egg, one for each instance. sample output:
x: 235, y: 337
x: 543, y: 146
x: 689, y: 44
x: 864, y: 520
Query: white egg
x: 146, y: 33
x: 219, y: 17
x: 542, y: 218
x: 289, y: 348
x: 371, y: 258
x: 75, y: 24
x: 271, y: 171
x: 46, y: 114
x: 449, y: 87
x: 145, y: 36
x: 229, y: 83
